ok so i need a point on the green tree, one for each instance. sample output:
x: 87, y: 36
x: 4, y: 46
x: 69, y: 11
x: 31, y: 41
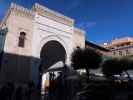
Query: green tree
x: 112, y: 67
x: 85, y: 59
x: 126, y: 64
x: 116, y: 66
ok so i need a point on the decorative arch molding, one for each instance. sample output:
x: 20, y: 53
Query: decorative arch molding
x: 37, y: 54
x: 52, y: 38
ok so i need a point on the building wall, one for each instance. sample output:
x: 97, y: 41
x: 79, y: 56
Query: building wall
x: 79, y: 38
x: 16, y: 60
x: 41, y: 25
x: 61, y: 29
x: 121, y: 47
x: 18, y: 21
x: 123, y: 51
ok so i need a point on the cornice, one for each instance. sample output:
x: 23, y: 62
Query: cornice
x: 20, y: 10
x: 79, y: 31
x: 44, y: 11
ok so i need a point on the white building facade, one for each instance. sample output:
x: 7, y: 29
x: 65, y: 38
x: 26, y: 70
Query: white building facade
x: 29, y: 32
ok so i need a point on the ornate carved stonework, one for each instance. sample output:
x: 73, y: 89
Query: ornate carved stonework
x: 41, y: 10
x: 21, y: 11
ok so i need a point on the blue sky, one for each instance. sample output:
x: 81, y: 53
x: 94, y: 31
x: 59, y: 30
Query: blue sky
x: 103, y: 20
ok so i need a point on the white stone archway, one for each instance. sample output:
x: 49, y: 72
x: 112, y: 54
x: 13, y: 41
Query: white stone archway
x: 54, y: 38
x: 38, y: 47
x: 50, y: 38
x: 51, y: 53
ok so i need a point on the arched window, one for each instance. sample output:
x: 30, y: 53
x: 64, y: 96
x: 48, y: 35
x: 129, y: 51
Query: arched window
x: 22, y: 38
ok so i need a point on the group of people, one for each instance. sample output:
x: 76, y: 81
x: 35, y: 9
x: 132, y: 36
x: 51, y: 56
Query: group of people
x: 59, y: 88
x: 10, y: 91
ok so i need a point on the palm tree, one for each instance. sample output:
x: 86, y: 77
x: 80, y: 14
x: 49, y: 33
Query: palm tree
x: 85, y: 59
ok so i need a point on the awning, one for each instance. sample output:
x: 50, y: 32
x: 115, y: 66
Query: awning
x: 56, y: 67
x: 60, y: 66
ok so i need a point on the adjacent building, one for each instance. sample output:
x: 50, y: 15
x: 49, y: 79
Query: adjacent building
x: 99, y: 49
x: 120, y: 47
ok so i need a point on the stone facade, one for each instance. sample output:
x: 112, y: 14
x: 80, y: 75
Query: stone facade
x: 19, y: 20
x: 40, y: 26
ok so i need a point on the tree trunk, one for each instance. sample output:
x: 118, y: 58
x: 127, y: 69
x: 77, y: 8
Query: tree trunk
x: 88, y: 74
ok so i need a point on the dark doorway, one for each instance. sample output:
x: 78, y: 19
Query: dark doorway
x: 51, y: 53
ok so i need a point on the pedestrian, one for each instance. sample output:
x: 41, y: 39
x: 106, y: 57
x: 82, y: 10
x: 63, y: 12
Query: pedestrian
x: 18, y: 93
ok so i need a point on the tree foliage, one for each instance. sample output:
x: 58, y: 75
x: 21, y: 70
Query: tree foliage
x: 112, y: 67
x: 127, y: 63
x: 116, y: 66
x: 85, y: 58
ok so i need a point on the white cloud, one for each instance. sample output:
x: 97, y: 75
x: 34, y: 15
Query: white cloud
x: 86, y: 25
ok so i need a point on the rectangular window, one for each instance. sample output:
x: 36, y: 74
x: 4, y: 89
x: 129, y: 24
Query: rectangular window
x: 21, y: 42
x: 127, y: 52
x: 120, y: 53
